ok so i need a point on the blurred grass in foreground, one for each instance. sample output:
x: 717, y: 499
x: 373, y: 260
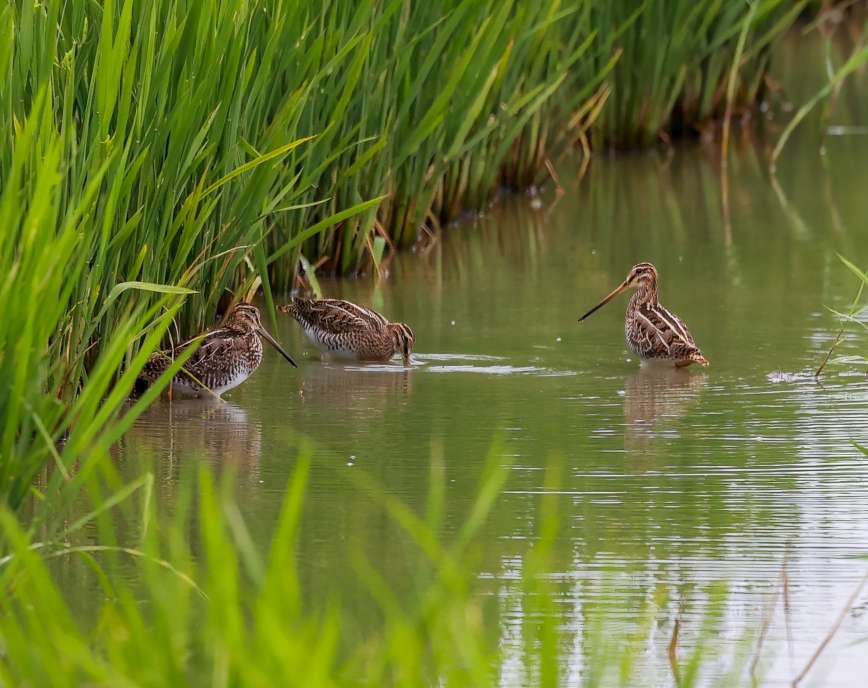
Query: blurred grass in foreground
x: 205, y: 607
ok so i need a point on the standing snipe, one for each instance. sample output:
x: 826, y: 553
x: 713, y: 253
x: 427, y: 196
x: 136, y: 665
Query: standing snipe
x: 225, y: 358
x: 345, y: 330
x: 653, y: 333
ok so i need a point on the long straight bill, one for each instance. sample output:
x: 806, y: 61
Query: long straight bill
x: 617, y: 290
x: 271, y: 340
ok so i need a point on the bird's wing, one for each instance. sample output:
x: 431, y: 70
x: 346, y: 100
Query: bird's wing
x: 336, y: 316
x: 659, y: 333
x: 214, y: 345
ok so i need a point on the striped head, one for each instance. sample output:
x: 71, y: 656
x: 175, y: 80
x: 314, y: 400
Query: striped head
x: 245, y: 318
x: 403, y: 340
x: 642, y: 275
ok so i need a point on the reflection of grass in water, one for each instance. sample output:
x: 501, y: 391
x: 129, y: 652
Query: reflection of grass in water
x: 206, y: 606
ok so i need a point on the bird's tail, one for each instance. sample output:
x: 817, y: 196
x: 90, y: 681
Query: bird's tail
x: 157, y: 363
x: 697, y: 357
x: 293, y: 308
x: 140, y: 387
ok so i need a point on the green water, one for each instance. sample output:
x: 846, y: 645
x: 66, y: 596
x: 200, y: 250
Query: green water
x: 669, y: 480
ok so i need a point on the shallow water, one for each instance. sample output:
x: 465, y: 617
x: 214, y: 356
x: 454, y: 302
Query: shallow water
x: 668, y: 478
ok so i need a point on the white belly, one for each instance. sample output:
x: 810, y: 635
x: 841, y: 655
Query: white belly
x: 231, y: 383
x: 192, y: 389
x: 331, y: 348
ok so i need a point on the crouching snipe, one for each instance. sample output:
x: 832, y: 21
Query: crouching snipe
x: 345, y: 330
x: 653, y: 333
x: 226, y: 357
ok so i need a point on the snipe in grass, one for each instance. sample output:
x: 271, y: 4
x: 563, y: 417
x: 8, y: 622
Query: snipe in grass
x: 345, y: 330
x: 225, y: 358
x: 653, y: 333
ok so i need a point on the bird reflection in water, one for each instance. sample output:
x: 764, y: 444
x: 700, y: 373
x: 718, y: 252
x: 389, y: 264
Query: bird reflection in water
x: 654, y: 398
x: 357, y: 390
x: 208, y: 428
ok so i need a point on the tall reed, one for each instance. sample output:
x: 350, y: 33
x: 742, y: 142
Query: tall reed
x: 678, y: 57
x: 432, y: 106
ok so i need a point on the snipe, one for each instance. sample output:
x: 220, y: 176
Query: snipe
x: 653, y: 333
x: 225, y: 358
x: 345, y: 330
